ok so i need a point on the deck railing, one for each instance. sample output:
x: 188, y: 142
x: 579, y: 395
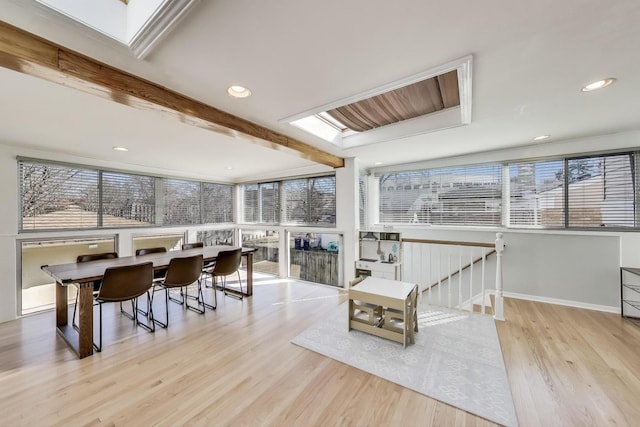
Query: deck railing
x: 456, y: 274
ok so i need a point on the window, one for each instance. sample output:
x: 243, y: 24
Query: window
x: 266, y: 257
x: 536, y: 196
x: 465, y: 195
x: 296, y: 200
x: 37, y: 289
x: 57, y: 197
x: 128, y: 200
x: 310, y: 201
x: 216, y: 237
x: 262, y: 203
x: 315, y: 257
x: 583, y: 192
x: 362, y: 199
x: 181, y: 202
x: 601, y: 191
x: 303, y: 201
x: 54, y: 197
x: 217, y: 203
x: 589, y: 191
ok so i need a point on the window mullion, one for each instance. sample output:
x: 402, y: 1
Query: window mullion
x: 565, y: 192
x: 635, y: 169
x: 100, y: 212
x: 505, y: 203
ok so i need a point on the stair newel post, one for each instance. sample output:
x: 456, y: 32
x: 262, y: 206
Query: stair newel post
x: 499, y: 300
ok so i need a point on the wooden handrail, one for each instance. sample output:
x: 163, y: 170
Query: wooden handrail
x: 450, y: 242
x: 493, y: 251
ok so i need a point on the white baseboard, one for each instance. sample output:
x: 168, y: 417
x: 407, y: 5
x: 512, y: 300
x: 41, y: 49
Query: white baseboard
x: 557, y: 301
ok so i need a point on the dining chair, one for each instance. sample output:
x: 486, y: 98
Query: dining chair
x: 208, y: 265
x: 157, y: 274
x: 126, y: 283
x: 193, y: 245
x: 227, y: 263
x: 147, y: 251
x: 181, y: 273
x: 96, y: 283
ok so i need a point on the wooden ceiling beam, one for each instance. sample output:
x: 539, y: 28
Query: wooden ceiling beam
x: 29, y: 54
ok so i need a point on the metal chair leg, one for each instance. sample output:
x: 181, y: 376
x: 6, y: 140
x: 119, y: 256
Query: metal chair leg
x: 98, y: 348
x: 215, y: 296
x: 176, y: 300
x: 233, y: 293
x: 150, y: 325
x: 166, y: 303
x: 197, y: 308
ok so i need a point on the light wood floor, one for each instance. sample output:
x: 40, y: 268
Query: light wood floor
x: 236, y: 366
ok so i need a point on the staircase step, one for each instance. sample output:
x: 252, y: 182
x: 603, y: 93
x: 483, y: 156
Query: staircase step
x: 477, y: 308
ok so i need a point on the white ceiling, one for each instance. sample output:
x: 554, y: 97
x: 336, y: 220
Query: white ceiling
x: 530, y: 61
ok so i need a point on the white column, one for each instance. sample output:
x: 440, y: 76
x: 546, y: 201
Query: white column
x: 498, y: 312
x: 373, y: 201
x: 347, y: 215
x: 237, y: 214
x: 283, y: 253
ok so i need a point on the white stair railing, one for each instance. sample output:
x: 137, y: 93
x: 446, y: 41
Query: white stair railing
x: 434, y: 265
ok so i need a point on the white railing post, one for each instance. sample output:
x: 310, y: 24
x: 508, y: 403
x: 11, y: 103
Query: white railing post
x: 498, y: 313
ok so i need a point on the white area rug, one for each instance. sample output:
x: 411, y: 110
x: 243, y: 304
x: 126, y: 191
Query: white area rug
x: 456, y: 358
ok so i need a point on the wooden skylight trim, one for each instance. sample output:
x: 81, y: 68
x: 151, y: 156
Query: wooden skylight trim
x: 451, y: 116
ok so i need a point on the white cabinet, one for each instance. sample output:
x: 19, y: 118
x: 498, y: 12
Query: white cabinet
x: 379, y: 255
x: 385, y: 270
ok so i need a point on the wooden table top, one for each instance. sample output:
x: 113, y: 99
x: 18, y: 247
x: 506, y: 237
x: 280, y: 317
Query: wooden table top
x: 94, y: 270
x: 384, y: 287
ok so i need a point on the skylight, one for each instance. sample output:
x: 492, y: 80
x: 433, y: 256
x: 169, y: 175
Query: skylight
x: 433, y: 100
x: 139, y: 24
x: 324, y: 126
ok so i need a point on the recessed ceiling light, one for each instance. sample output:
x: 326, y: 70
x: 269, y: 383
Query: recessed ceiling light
x: 117, y: 148
x: 541, y: 137
x: 238, y: 91
x: 229, y: 168
x: 598, y: 84
x: 378, y: 163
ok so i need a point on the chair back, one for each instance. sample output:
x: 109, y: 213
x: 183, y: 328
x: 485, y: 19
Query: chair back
x: 125, y: 282
x: 227, y: 262
x: 183, y: 271
x: 192, y: 245
x: 95, y: 257
x: 145, y: 251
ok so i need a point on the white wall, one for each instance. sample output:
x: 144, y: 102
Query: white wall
x: 579, y: 269
x: 8, y: 232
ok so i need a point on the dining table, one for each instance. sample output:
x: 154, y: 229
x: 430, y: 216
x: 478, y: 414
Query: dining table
x: 83, y: 275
